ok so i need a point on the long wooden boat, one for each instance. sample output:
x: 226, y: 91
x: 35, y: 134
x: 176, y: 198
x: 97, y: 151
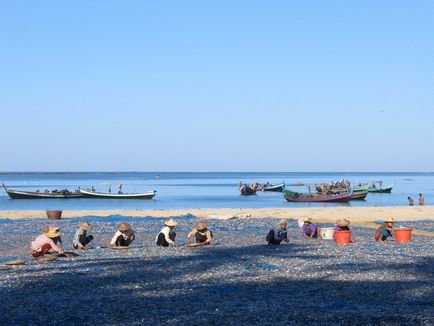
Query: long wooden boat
x: 316, y: 197
x: 107, y: 195
x: 380, y: 189
x: 246, y: 190
x: 21, y: 194
x: 359, y: 194
x: 275, y: 188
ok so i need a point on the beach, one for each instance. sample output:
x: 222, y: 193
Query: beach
x: 322, y: 214
x: 237, y: 280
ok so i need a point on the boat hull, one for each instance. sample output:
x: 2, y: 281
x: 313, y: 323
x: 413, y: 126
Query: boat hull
x: 18, y: 194
x: 386, y: 190
x: 275, y: 188
x: 103, y: 195
x: 316, y: 198
x: 247, y: 191
x: 359, y: 194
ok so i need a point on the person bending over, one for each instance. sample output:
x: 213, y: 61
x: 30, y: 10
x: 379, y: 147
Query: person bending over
x: 123, y: 236
x: 309, y: 229
x: 49, y: 241
x: 81, y: 239
x: 275, y: 238
x: 201, y: 233
x: 385, y: 230
x: 167, y: 235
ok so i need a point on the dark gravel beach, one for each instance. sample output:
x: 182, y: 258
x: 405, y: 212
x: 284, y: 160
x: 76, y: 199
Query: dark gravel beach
x: 237, y: 281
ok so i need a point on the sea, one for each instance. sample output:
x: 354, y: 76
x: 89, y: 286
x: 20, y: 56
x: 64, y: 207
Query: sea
x: 185, y: 190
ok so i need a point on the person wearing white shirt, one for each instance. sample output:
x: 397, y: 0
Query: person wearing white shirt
x: 123, y: 236
x: 166, y: 236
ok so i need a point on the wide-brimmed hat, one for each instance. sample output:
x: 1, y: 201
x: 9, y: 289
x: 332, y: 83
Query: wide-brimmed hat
x: 124, y: 227
x: 342, y: 222
x: 85, y: 226
x: 201, y: 225
x: 52, y: 232
x: 170, y: 222
x: 389, y: 220
x: 307, y: 219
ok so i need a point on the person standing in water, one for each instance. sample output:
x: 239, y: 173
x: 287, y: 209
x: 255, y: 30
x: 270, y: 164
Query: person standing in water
x: 410, y: 201
x: 421, y: 200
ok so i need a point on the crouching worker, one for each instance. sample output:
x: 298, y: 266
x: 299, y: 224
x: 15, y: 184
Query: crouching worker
x: 343, y: 225
x: 309, y: 229
x: 275, y: 238
x: 385, y: 230
x: 81, y: 239
x: 48, y: 241
x: 201, y: 233
x: 167, y: 235
x: 123, y: 236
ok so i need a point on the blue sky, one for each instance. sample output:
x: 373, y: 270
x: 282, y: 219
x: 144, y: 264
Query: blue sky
x: 216, y: 85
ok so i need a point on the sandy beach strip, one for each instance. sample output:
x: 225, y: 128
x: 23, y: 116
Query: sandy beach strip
x: 358, y: 215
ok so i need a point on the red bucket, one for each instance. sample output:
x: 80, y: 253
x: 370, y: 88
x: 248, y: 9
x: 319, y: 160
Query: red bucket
x: 402, y: 234
x: 342, y: 237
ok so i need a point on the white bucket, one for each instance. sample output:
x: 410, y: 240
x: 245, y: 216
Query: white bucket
x: 327, y: 233
x: 300, y: 222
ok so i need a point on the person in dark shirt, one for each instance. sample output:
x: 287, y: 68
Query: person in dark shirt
x: 276, y: 237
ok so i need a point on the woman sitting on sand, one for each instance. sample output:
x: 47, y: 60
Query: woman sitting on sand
x: 309, y: 229
x: 123, y: 236
x: 81, y: 239
x: 202, y: 234
x: 275, y: 238
x: 385, y: 230
x: 47, y: 242
x: 166, y: 236
x: 342, y: 225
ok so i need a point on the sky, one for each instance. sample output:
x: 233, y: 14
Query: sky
x: 216, y: 85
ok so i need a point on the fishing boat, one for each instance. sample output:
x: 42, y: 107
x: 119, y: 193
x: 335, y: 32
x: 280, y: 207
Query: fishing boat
x: 275, y: 188
x: 377, y: 186
x: 246, y: 190
x: 316, y: 197
x: 109, y: 195
x: 59, y: 194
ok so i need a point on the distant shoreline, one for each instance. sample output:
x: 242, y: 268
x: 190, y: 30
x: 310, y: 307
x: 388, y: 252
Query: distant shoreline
x: 321, y: 214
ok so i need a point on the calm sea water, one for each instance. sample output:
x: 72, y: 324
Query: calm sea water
x: 201, y: 190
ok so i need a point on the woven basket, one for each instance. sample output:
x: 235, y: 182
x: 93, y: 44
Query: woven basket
x: 54, y: 214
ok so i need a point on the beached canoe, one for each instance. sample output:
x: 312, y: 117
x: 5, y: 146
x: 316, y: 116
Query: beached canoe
x: 107, y: 195
x: 246, y: 190
x: 316, y: 197
x: 275, y: 188
x: 21, y: 194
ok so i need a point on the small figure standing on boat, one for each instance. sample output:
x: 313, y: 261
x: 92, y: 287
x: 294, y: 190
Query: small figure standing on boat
x: 275, y: 238
x: 81, y: 239
x: 123, y: 236
x: 167, y: 235
x: 201, y: 233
